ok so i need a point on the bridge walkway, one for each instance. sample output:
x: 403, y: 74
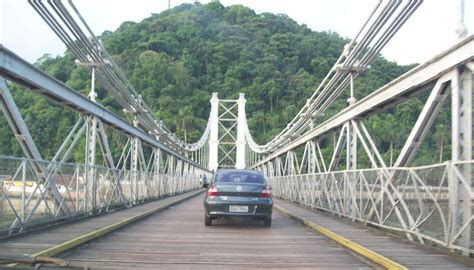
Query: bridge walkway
x: 41, y: 242
x: 409, y: 254
x: 177, y: 238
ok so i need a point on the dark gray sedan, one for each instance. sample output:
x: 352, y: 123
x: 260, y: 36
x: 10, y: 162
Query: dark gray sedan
x: 238, y: 193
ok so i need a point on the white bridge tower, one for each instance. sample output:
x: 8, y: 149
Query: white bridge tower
x: 227, y: 133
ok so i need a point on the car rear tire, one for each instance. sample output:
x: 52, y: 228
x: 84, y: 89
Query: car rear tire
x: 207, y: 220
x: 267, y: 222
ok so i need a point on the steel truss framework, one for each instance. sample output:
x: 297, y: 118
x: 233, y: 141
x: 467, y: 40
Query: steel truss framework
x: 67, y: 23
x: 385, y: 20
x: 418, y: 203
x: 227, y: 137
x: 51, y: 191
x: 431, y: 203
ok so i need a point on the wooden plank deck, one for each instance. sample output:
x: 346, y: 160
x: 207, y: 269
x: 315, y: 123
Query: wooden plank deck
x: 409, y: 254
x: 36, y: 241
x: 177, y: 239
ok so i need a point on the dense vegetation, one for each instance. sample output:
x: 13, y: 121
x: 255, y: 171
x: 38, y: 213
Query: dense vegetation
x: 177, y: 58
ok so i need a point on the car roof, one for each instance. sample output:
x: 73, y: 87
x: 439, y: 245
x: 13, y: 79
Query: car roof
x: 238, y: 170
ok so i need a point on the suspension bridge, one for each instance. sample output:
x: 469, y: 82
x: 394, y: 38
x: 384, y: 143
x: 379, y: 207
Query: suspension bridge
x: 332, y: 213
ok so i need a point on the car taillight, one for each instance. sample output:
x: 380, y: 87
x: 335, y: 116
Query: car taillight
x: 212, y: 191
x: 265, y: 193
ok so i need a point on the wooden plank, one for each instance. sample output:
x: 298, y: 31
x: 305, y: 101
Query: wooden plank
x: 409, y: 254
x: 34, y: 242
x: 363, y: 251
x: 177, y: 238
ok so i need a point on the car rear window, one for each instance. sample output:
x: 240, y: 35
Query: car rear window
x: 239, y: 177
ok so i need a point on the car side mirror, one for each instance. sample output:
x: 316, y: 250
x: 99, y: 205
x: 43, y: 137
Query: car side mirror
x: 205, y: 185
x: 269, y: 187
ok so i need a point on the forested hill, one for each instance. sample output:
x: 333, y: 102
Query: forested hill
x: 178, y: 57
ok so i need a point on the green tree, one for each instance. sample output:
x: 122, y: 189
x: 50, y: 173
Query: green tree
x: 176, y: 59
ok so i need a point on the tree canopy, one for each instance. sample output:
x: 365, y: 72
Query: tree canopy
x: 177, y: 58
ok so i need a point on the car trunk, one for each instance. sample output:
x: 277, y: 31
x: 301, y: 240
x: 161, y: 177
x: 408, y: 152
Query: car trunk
x: 242, y: 190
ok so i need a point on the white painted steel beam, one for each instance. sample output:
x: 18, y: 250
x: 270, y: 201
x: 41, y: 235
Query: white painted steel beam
x: 424, y: 121
x: 411, y: 82
x: 27, y: 144
x: 214, y: 133
x: 462, y: 128
x: 22, y: 72
x: 241, y: 119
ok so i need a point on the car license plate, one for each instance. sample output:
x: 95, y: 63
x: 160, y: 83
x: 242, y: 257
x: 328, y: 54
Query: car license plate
x: 238, y: 208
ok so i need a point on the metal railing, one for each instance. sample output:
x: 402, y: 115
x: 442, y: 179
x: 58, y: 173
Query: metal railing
x: 25, y: 204
x: 426, y: 204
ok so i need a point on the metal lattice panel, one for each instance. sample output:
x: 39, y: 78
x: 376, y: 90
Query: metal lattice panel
x: 418, y: 202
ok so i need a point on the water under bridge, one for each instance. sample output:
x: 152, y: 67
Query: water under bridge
x: 144, y: 209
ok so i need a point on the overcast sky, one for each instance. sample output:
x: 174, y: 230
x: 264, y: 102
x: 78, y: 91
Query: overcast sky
x: 428, y: 32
